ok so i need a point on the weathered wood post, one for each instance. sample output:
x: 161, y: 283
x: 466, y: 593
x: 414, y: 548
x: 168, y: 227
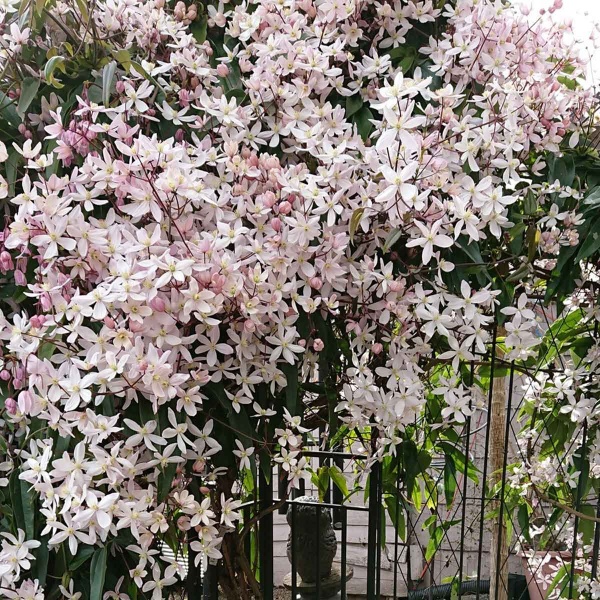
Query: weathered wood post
x: 499, y: 541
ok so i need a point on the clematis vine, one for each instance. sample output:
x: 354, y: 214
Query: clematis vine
x: 233, y: 202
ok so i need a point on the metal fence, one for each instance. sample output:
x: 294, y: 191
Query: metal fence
x: 462, y: 533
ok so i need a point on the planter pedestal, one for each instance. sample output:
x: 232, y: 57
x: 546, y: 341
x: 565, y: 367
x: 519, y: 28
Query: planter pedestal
x: 329, y: 589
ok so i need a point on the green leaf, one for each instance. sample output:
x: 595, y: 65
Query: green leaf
x: 98, y: 574
x: 591, y: 243
x: 198, y: 28
x: 564, y: 275
x: 165, y: 481
x: 339, y: 480
x: 17, y: 504
x: 291, y: 387
x: 29, y: 90
x: 108, y: 74
x: 56, y: 62
x: 123, y: 57
x: 363, y: 122
x: 532, y: 236
x: 396, y: 516
x: 8, y: 111
x: 11, y: 165
x: 83, y: 555
x: 238, y: 94
x: 391, y: 239
x: 27, y: 500
x: 434, y: 542
x: 471, y: 249
x: 46, y: 350
x: 459, y: 460
x: 353, y: 104
x: 523, y: 519
x: 42, y: 555
x: 322, y: 481
x: 563, y: 169
x: 449, y: 480
x: 355, y: 220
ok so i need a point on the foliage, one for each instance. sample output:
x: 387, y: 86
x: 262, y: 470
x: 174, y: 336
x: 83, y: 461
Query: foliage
x: 230, y: 224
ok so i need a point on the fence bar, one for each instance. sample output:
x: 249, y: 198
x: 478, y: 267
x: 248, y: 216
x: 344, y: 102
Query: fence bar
x: 379, y: 536
x: 265, y: 533
x: 596, y: 551
x: 318, y: 552
x: 577, y: 507
x: 396, y: 543
x: 210, y: 583
x: 373, y: 538
x: 293, y: 560
x: 194, y: 580
x: 337, y: 497
x: 281, y: 488
x: 344, y: 517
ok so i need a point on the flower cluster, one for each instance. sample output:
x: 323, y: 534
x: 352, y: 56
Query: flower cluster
x: 194, y: 233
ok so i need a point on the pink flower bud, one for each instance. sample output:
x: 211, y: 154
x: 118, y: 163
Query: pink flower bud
x: 183, y: 523
x: 184, y: 98
x: 6, y: 261
x: 204, y: 490
x: 249, y: 326
x: 199, y: 467
x: 302, y: 343
x: 230, y: 148
x: 35, y: 322
x: 269, y: 199
x: 17, y: 383
x: 157, y: 304
x: 377, y: 348
x: 20, y: 278
x: 109, y: 322
x: 11, y: 406
x: 318, y: 345
x: 25, y: 401
x: 285, y: 208
x: 276, y: 224
x: 218, y: 281
x: 316, y: 283
x: 45, y: 301
x: 120, y: 87
x: 179, y: 135
x: 136, y: 326
x: 5, y: 375
x: 205, y: 277
x: 222, y: 70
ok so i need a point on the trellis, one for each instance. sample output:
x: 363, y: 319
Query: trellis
x: 465, y: 536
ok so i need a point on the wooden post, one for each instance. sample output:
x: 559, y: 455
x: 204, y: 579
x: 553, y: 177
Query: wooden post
x: 499, y: 542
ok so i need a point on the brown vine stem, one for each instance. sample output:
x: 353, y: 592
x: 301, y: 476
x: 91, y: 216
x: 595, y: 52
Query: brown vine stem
x: 244, y: 532
x: 568, y: 509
